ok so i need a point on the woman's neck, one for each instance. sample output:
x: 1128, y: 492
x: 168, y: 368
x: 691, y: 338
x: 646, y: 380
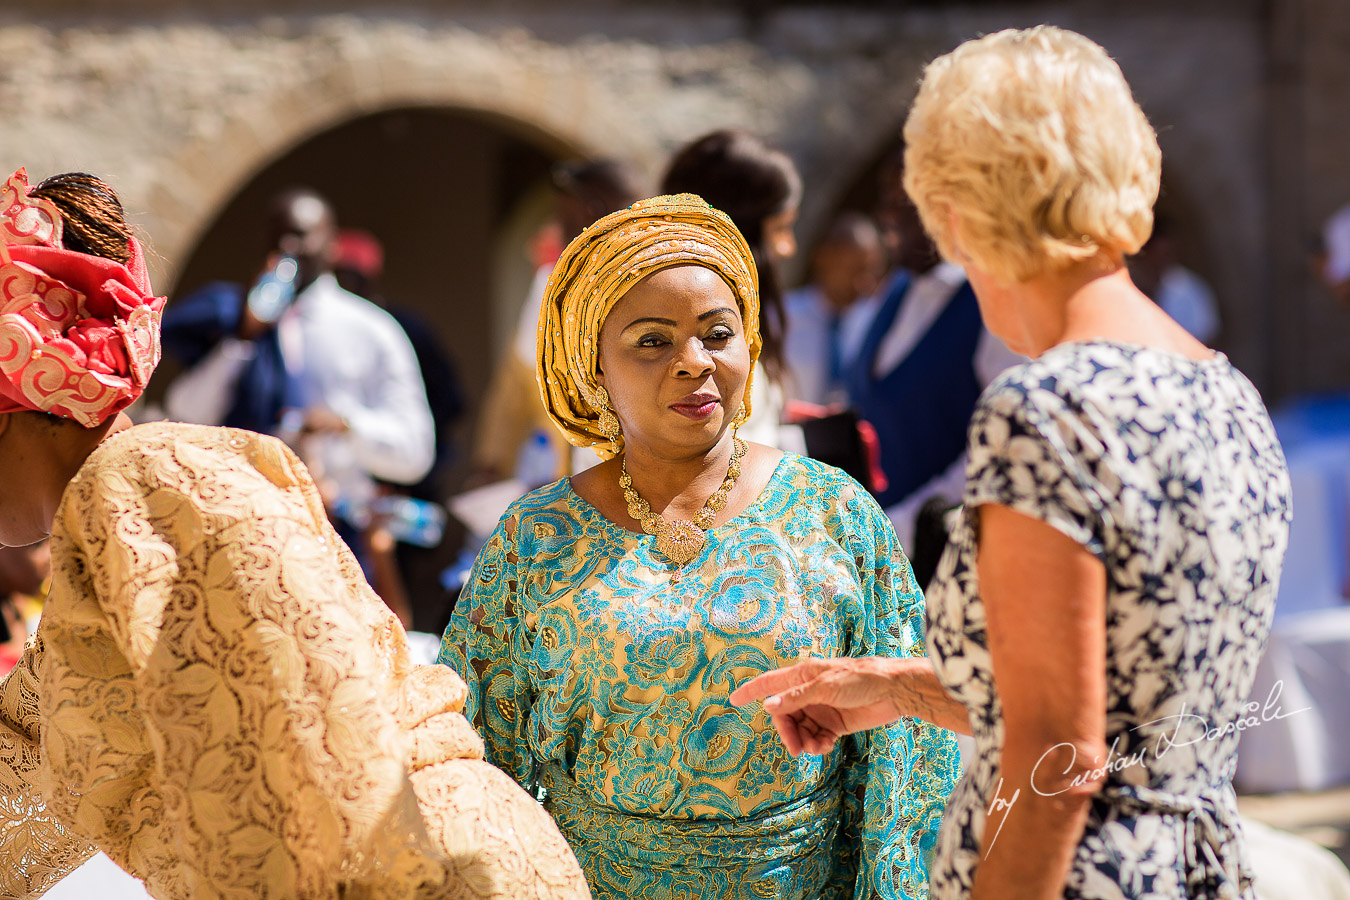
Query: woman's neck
x: 84, y: 441
x: 1060, y: 306
x: 678, y: 482
x: 81, y: 442
x: 51, y: 454
x: 1095, y: 300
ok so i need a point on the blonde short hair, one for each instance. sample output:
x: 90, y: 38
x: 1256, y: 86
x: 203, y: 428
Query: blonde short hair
x: 1033, y: 140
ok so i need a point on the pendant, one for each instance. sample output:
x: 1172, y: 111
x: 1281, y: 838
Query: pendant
x: 680, y: 541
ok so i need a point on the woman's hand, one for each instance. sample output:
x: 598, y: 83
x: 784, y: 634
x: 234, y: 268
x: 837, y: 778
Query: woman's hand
x: 818, y: 701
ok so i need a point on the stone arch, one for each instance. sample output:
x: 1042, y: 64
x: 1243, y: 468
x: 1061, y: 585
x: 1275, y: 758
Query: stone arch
x: 199, y: 181
x: 194, y: 182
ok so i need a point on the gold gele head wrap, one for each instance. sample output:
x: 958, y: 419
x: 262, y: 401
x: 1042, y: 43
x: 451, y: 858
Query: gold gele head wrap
x: 598, y: 268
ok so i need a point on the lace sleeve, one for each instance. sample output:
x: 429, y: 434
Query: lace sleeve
x: 35, y: 851
x: 237, y: 710
x: 263, y: 672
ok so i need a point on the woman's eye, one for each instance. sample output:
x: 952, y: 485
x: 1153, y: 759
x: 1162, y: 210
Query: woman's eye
x: 651, y: 340
x: 721, y: 334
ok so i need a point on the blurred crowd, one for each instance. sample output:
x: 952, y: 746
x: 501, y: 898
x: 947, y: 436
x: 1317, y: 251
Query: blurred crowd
x: 881, y: 340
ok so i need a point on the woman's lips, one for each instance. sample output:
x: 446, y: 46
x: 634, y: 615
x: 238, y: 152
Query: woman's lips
x: 696, y: 407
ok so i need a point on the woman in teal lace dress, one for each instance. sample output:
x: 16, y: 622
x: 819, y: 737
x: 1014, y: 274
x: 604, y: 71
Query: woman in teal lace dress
x: 610, y: 614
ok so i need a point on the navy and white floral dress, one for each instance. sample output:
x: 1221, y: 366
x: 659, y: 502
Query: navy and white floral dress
x: 1168, y: 470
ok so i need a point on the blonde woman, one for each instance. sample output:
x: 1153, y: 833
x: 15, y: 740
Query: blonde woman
x: 1096, y: 621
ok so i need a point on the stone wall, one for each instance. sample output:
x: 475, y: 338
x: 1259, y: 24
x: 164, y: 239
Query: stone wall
x: 181, y: 104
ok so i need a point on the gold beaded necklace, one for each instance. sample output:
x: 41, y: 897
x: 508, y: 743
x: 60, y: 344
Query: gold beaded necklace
x: 682, y: 539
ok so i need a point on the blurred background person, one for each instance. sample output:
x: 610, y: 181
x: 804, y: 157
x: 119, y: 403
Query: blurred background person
x: 406, y: 540
x: 760, y: 189
x: 358, y: 266
x: 923, y: 362
x: 827, y: 318
x: 328, y: 371
x: 1182, y: 294
x: 1334, y: 259
x: 512, y: 426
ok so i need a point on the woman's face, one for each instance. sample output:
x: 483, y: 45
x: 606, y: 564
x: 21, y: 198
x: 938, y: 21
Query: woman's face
x: 780, y: 240
x: 674, y: 359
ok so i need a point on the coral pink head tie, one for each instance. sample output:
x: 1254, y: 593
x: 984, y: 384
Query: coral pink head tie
x: 79, y: 334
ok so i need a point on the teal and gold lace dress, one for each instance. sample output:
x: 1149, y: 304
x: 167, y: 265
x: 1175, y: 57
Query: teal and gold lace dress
x: 599, y: 672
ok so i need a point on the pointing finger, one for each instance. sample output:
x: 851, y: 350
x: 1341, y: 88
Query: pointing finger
x: 773, y: 682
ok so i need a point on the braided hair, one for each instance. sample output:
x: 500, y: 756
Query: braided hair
x: 92, y: 218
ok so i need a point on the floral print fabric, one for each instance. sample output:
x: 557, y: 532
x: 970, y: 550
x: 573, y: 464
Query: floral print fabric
x: 1168, y: 470
x: 600, y: 672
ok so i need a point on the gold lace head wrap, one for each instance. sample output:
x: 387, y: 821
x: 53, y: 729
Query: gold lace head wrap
x: 599, y: 267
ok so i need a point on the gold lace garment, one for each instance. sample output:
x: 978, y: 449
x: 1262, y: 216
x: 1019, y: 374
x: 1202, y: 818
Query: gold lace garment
x: 217, y: 700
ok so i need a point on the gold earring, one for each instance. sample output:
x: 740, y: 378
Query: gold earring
x: 607, y: 422
x: 739, y: 419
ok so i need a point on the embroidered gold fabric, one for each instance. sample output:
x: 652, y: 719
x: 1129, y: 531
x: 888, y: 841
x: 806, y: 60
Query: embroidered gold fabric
x: 599, y: 672
x: 217, y: 700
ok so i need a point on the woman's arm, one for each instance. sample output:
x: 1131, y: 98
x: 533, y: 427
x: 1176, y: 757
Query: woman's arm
x: 1045, y: 599
x: 282, y: 658
x: 908, y: 768
x: 896, y: 771
x: 818, y: 701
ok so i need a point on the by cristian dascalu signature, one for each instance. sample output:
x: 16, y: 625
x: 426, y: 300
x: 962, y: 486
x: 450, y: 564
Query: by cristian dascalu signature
x: 1253, y: 715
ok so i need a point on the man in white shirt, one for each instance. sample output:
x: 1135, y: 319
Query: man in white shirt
x: 335, y: 375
